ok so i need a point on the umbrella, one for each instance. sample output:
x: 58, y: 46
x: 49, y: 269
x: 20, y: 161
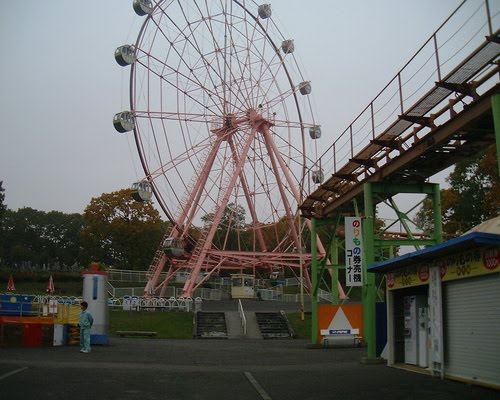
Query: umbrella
x: 50, y: 285
x: 10, y: 284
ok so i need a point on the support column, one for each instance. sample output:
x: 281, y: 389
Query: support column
x: 495, y: 108
x: 334, y: 254
x: 438, y: 220
x: 369, y: 288
x: 314, y: 284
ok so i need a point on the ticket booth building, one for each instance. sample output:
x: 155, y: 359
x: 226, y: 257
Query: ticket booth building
x: 443, y: 309
x: 242, y: 286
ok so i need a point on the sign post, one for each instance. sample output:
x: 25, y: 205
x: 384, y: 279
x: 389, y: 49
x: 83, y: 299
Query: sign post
x: 353, y: 251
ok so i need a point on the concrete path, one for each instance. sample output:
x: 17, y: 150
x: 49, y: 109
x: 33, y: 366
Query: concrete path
x: 130, y: 369
x: 235, y: 327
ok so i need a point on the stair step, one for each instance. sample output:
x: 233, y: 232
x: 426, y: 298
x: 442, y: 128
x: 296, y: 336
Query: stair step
x: 211, y: 325
x: 273, y: 325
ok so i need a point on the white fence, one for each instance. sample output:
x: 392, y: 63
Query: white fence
x: 136, y: 303
x: 170, y: 291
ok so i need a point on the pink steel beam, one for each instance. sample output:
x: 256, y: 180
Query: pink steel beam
x: 251, y: 205
x: 272, y: 145
x: 257, y: 124
x: 273, y: 149
x: 197, y: 191
x: 193, y: 199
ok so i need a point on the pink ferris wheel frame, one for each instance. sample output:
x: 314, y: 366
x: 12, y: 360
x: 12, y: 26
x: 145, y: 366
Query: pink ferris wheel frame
x: 220, y: 113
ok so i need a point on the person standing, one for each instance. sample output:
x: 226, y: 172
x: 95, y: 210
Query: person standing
x: 86, y: 322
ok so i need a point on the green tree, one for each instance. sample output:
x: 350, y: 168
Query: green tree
x: 38, y: 238
x: 231, y: 225
x: 473, y: 196
x: 120, y: 231
x: 61, y: 234
x: 3, y: 207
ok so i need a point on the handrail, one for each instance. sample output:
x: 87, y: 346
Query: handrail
x: 242, y: 316
x: 464, y: 30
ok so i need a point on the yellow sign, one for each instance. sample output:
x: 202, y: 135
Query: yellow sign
x: 475, y: 262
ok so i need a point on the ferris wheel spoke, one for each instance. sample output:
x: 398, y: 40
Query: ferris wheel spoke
x: 249, y: 62
x: 203, y: 54
x: 219, y: 126
x: 175, y: 116
x: 189, y: 44
x: 166, y: 168
x: 221, y: 63
x: 175, y: 73
x: 248, y: 197
x: 244, y: 58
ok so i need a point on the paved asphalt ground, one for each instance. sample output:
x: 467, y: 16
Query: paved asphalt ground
x: 134, y: 368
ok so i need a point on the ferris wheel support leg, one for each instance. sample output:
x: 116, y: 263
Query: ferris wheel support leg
x: 150, y: 288
x: 274, y: 156
x: 167, y: 280
x: 190, y: 207
x: 250, y: 203
x: 220, y: 209
x: 273, y: 148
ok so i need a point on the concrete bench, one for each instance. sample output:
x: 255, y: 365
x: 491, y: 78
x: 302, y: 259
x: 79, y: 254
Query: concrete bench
x: 136, y: 333
x: 345, y: 337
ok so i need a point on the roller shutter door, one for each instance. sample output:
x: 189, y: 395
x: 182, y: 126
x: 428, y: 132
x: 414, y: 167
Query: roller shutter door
x: 472, y: 329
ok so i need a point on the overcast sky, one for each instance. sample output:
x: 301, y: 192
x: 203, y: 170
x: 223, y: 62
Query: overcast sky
x: 60, y: 84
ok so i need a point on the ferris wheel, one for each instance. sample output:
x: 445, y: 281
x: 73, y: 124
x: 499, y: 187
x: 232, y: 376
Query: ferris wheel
x: 226, y: 136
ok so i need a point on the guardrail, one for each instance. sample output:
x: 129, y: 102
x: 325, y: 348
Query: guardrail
x: 242, y: 316
x: 26, y: 305
x: 136, y: 303
x: 463, y: 31
x: 170, y: 291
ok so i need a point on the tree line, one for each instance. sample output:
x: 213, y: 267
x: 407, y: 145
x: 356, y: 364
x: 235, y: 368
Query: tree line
x: 114, y: 229
x: 473, y: 195
x: 120, y: 232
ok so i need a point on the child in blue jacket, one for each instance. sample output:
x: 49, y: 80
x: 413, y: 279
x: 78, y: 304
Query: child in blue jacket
x: 86, y: 322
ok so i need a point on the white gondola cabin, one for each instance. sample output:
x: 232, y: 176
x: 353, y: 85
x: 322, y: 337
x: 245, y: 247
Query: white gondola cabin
x: 265, y: 11
x: 143, y: 7
x: 305, y: 88
x: 174, y: 247
x: 317, y: 176
x: 125, y: 55
x: 142, y: 191
x: 287, y: 46
x: 315, y: 132
x: 124, y: 121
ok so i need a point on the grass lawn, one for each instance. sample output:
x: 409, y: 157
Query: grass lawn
x: 169, y: 325
x: 179, y: 325
x: 301, y: 328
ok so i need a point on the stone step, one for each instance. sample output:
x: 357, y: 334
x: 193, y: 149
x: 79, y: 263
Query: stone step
x: 211, y: 325
x: 273, y: 325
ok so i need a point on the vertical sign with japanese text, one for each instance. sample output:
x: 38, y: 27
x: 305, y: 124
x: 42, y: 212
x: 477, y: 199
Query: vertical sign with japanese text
x: 353, y: 251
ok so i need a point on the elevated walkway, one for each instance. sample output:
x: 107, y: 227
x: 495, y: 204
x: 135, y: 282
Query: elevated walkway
x: 398, y: 139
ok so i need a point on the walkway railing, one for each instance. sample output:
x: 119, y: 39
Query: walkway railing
x: 170, y: 291
x: 242, y: 317
x: 459, y: 36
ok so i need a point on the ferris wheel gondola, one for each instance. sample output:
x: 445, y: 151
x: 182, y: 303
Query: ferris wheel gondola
x: 141, y: 191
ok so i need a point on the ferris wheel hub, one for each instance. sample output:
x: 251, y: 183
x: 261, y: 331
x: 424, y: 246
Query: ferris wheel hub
x: 258, y: 122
